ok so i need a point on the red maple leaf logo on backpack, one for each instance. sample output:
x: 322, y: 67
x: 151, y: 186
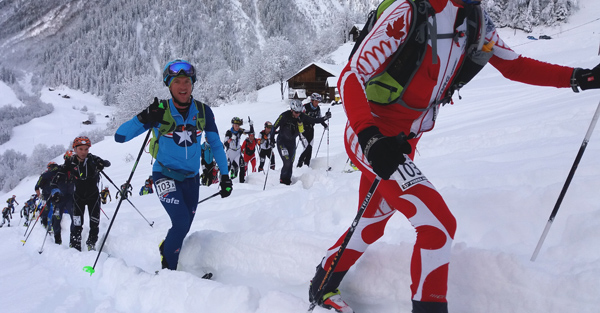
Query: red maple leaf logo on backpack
x: 396, y: 28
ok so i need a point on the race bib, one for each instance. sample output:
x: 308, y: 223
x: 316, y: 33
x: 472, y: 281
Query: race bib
x: 408, y: 175
x: 164, y: 186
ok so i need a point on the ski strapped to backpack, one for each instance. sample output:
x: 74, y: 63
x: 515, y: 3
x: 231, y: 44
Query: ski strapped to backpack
x: 170, y: 124
x: 388, y: 86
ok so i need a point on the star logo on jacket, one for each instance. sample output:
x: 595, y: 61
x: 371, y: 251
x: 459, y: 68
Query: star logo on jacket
x: 185, y: 135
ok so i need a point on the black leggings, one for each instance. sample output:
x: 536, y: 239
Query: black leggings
x: 93, y: 205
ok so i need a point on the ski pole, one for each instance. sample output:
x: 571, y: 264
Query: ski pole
x: 44, y: 242
x: 125, y: 197
x: 92, y: 269
x: 36, y: 220
x: 340, y: 251
x: 567, y: 183
x: 267, y: 174
x: 320, y: 141
x: 209, y: 197
x: 328, y: 167
x: 104, y: 213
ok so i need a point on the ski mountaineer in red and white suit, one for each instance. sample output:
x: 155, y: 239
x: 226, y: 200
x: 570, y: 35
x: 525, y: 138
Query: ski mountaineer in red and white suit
x: 415, y: 198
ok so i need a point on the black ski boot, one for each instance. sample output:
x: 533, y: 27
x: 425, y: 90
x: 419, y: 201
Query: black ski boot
x: 429, y: 307
x: 331, y: 298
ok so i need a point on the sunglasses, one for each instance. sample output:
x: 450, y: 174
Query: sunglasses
x: 180, y: 68
x: 296, y: 112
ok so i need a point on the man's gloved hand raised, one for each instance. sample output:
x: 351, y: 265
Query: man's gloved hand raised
x: 384, y: 154
x: 226, y: 186
x: 152, y: 114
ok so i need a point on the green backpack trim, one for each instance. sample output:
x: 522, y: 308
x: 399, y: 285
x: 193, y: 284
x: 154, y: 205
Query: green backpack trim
x: 170, y: 124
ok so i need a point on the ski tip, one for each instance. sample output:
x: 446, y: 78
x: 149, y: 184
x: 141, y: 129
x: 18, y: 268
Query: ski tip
x: 89, y: 269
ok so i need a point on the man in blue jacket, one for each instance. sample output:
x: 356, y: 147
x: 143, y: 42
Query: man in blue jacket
x: 178, y: 125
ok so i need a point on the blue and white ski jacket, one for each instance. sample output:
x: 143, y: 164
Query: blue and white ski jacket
x: 180, y: 150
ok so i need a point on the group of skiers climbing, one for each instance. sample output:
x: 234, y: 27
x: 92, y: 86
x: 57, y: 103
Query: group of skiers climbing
x: 291, y: 127
x: 71, y: 188
x: 390, y: 97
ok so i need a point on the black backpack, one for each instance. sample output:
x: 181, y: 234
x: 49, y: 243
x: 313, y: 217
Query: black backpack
x: 388, y: 86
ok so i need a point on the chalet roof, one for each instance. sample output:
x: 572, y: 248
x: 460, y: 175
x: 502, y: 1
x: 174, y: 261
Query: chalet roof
x: 359, y: 26
x: 333, y: 69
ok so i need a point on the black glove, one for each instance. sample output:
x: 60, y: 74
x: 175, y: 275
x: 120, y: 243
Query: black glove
x: 327, y: 115
x: 226, y: 186
x: 152, y: 114
x: 586, y: 78
x: 385, y: 154
x: 101, y: 164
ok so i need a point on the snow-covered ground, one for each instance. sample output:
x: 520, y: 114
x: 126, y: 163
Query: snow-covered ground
x: 8, y: 96
x: 63, y: 124
x: 499, y: 157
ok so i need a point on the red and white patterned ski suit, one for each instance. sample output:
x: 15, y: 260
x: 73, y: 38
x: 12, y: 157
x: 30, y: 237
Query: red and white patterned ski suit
x: 408, y: 190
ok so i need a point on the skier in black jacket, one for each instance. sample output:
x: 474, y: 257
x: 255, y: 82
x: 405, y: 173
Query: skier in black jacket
x: 291, y: 125
x: 313, y: 110
x: 43, y: 184
x: 87, y: 167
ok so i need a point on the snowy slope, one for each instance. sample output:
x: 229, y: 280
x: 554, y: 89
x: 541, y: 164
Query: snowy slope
x: 60, y: 126
x: 8, y: 96
x: 499, y: 157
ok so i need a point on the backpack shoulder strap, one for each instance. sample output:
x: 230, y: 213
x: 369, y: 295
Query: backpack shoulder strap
x: 201, y: 116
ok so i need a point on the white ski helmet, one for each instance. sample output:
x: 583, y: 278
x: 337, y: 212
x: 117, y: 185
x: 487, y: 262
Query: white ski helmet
x: 296, y: 105
x: 316, y: 96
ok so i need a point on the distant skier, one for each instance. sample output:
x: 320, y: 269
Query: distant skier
x: 209, y: 166
x: 105, y: 195
x: 313, y: 110
x: 144, y: 190
x: 266, y: 145
x: 6, y: 216
x: 291, y: 125
x: 233, y: 144
x: 43, y: 184
x: 248, y: 153
x: 11, y: 203
x: 148, y: 183
x: 28, y: 208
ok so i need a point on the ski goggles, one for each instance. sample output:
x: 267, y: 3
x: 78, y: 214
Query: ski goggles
x: 180, y: 68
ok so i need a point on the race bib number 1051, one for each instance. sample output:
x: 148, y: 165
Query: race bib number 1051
x: 408, y: 175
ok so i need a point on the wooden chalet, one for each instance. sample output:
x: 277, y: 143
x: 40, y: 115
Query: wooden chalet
x: 355, y: 31
x: 315, y: 77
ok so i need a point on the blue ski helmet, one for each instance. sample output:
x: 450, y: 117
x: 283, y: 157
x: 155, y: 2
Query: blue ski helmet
x: 176, y: 68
